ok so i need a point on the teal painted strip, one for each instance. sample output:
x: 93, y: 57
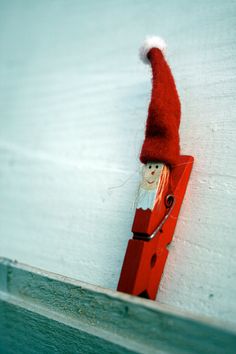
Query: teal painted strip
x: 23, y: 331
x: 56, y: 314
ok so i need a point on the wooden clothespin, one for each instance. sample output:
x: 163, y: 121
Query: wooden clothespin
x: 165, y: 177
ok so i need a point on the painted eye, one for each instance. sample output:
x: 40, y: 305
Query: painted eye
x: 157, y: 166
x: 150, y: 166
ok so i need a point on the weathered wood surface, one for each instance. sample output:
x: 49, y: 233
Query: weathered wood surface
x: 47, y: 313
x: 73, y: 103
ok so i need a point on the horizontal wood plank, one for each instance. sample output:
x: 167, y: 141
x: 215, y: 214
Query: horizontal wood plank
x: 48, y: 313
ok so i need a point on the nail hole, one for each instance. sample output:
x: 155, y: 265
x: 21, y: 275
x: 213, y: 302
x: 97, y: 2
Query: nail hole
x: 153, y: 260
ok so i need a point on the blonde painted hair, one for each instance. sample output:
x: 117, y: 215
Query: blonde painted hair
x: 162, y: 183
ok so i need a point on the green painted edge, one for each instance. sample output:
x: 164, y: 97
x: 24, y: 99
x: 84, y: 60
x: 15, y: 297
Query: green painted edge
x: 35, y: 306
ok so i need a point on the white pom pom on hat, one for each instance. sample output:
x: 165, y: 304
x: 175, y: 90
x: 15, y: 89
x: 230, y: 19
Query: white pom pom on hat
x: 149, y: 43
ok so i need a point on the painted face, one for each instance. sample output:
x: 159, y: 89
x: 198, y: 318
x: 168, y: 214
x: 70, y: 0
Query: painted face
x: 151, y: 175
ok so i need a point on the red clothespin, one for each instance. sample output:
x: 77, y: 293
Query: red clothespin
x: 165, y: 178
x: 153, y: 231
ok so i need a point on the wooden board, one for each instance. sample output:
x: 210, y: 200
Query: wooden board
x: 41, y: 312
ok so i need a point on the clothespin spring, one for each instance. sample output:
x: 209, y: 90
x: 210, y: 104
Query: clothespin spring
x: 170, y: 203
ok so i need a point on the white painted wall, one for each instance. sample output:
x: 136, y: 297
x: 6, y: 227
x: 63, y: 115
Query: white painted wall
x: 73, y: 104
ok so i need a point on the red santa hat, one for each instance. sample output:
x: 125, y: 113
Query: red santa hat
x: 161, y: 137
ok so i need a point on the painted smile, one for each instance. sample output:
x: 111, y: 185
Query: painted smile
x: 150, y: 182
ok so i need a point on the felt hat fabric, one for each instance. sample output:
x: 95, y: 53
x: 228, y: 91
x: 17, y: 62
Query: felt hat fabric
x: 162, y: 127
